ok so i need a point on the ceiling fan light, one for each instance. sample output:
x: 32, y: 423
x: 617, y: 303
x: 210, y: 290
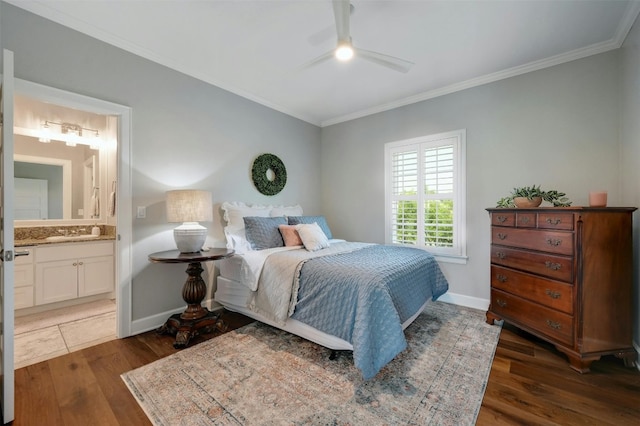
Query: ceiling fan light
x: 344, y: 52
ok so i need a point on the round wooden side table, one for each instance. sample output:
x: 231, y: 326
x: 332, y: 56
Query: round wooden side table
x: 196, y: 318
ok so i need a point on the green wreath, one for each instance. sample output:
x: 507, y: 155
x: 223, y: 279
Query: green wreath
x: 261, y: 166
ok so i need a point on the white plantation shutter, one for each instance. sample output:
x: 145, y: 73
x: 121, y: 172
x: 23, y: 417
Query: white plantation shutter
x: 404, y: 171
x: 424, y: 193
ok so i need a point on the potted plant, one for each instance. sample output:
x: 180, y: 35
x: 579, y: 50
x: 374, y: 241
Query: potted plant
x: 532, y: 196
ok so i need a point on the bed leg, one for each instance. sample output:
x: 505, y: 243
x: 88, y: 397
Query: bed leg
x: 334, y: 355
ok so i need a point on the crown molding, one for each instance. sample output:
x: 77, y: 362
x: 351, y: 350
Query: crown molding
x: 630, y: 16
x: 479, y: 81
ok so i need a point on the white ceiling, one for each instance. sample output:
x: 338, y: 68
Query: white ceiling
x: 255, y: 48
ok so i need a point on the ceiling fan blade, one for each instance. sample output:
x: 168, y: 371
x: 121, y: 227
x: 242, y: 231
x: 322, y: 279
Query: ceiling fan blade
x: 326, y: 33
x: 392, y: 62
x: 341, y: 11
x: 325, y: 56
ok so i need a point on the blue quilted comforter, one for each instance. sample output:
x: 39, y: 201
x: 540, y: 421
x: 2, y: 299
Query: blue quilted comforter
x: 365, y: 295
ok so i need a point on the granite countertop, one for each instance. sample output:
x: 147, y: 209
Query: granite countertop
x: 28, y: 242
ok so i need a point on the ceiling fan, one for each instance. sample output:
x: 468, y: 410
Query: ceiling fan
x: 345, y: 50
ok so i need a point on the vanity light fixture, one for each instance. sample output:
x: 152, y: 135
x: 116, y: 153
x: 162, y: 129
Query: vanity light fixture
x: 71, y: 134
x: 45, y: 133
x: 189, y: 206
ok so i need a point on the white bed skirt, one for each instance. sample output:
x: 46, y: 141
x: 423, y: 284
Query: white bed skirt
x: 234, y: 297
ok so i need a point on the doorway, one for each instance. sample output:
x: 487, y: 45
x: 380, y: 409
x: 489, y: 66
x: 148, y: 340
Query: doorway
x: 114, y: 184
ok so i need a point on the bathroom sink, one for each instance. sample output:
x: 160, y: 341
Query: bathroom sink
x: 71, y: 237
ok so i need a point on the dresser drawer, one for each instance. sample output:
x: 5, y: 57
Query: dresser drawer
x: 560, y: 242
x: 549, y: 265
x: 555, y: 324
x: 503, y: 219
x: 526, y: 220
x: 554, y: 294
x: 552, y: 220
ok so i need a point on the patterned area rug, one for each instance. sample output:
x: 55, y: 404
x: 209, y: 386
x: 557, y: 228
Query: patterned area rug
x: 259, y: 375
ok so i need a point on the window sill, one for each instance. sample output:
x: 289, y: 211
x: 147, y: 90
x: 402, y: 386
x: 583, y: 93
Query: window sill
x: 460, y: 260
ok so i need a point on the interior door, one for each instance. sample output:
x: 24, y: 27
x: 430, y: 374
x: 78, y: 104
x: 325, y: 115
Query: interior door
x: 6, y: 239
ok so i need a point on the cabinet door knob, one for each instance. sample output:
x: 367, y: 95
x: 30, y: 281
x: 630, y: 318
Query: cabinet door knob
x: 80, y: 263
x: 501, y: 278
x: 553, y: 266
x: 75, y: 264
x: 552, y: 294
x: 554, y: 325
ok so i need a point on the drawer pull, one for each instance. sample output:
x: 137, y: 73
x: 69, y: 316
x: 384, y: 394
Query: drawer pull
x: 552, y: 266
x: 501, y: 278
x: 555, y: 221
x: 501, y: 303
x: 500, y: 255
x: 554, y: 325
x: 552, y: 294
x: 501, y: 219
x: 554, y: 242
x: 502, y: 236
x: 525, y: 219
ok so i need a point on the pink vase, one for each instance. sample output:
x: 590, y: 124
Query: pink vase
x: 598, y: 199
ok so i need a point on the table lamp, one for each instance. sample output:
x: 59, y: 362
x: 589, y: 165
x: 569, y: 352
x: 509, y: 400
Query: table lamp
x: 189, y: 206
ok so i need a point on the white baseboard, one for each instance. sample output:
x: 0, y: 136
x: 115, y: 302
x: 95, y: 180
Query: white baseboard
x: 152, y: 322
x: 462, y: 300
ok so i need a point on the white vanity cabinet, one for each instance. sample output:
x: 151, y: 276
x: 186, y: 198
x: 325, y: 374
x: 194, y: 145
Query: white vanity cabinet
x: 69, y: 271
x: 23, y: 278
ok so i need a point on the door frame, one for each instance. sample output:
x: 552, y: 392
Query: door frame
x: 124, y: 217
x: 7, y: 386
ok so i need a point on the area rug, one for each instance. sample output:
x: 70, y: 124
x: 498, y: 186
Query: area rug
x: 259, y: 375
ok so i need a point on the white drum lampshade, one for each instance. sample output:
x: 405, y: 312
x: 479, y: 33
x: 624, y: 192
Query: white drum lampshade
x: 189, y: 206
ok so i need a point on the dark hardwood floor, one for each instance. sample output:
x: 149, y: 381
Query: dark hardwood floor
x: 530, y: 383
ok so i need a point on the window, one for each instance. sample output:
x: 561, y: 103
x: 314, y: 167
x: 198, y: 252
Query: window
x: 425, y: 193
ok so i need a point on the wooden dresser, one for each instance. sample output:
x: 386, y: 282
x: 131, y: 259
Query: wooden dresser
x: 564, y: 274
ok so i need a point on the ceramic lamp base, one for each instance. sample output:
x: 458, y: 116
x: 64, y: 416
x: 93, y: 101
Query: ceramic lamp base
x: 190, y: 237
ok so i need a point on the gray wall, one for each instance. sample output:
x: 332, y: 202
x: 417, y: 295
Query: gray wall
x: 557, y: 127
x: 630, y: 154
x: 186, y: 134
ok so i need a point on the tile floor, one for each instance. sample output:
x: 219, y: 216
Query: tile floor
x: 46, y: 335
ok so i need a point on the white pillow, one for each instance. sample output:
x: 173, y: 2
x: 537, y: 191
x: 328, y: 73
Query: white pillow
x: 235, y: 212
x: 237, y: 240
x: 312, y: 236
x: 286, y: 211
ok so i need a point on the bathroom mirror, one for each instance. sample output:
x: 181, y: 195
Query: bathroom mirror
x: 58, y: 178
x: 55, y: 182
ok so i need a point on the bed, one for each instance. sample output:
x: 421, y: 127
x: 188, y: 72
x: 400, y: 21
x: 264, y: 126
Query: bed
x: 289, y: 272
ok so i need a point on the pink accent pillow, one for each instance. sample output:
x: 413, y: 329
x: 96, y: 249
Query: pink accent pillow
x: 290, y: 235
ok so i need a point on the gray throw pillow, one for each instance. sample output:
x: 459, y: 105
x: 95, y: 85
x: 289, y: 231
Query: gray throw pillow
x: 262, y: 232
